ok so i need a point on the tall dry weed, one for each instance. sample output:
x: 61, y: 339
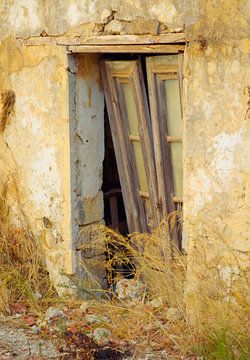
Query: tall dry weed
x: 216, y: 328
x: 23, y: 275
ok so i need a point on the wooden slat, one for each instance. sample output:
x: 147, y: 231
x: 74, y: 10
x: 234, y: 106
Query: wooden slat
x: 168, y: 72
x: 147, y: 204
x: 105, y: 39
x: 177, y: 199
x: 132, y: 214
x: 173, y: 139
x: 129, y: 148
x: 134, y: 138
x: 160, y: 68
x: 180, y: 78
x: 144, y: 194
x: 147, y: 142
x: 158, y: 48
x: 157, y: 129
x: 112, y: 193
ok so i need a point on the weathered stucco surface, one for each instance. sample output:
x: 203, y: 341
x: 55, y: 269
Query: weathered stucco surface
x: 35, y: 146
x: 37, y: 142
x: 217, y: 164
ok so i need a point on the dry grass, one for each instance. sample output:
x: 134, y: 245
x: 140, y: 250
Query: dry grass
x: 23, y: 276
x: 219, y: 330
x: 219, y: 333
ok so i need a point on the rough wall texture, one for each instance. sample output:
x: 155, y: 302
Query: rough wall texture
x: 35, y: 145
x: 37, y: 142
x: 217, y: 165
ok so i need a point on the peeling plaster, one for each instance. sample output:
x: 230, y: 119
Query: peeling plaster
x: 200, y: 186
x: 223, y: 148
x: 73, y: 14
x: 167, y: 14
x: 45, y: 166
x: 24, y: 14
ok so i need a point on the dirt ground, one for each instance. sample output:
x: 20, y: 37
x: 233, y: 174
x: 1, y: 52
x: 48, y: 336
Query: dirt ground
x: 19, y: 343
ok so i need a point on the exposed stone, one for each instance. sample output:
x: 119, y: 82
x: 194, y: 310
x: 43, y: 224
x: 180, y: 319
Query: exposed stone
x: 115, y: 27
x: 173, y: 314
x: 96, y: 319
x: 101, y: 336
x: 141, y: 26
x: 156, y: 303
x: 84, y: 306
x: 130, y: 289
x: 35, y: 329
x: 53, y: 312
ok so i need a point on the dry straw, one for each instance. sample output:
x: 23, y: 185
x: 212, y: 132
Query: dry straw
x: 214, y: 325
x: 23, y: 275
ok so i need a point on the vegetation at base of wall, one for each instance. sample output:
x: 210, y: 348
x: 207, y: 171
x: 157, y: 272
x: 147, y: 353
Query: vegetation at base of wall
x: 156, y: 318
x: 224, y: 344
x: 23, y: 275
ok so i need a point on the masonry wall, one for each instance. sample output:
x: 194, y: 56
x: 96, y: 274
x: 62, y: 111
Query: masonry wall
x: 35, y: 147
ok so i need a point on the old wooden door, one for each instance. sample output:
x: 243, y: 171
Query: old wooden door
x: 145, y: 134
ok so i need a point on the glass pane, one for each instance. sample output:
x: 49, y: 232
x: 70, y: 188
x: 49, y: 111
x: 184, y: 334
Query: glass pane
x: 177, y: 167
x: 140, y: 166
x: 174, y: 121
x: 131, y: 109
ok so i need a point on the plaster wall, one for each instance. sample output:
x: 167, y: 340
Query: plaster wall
x: 36, y: 140
x: 217, y: 171
x: 35, y: 145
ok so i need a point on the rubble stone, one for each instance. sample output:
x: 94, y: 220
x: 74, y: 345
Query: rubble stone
x: 101, y: 336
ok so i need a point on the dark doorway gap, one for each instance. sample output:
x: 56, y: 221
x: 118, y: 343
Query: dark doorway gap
x: 114, y: 211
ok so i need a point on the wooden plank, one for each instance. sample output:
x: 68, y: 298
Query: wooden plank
x: 134, y: 178
x: 147, y: 142
x: 171, y: 139
x: 160, y: 68
x: 134, y: 138
x: 177, y: 199
x: 144, y: 194
x: 148, y: 206
x: 118, y: 141
x: 112, y: 193
x: 158, y: 48
x: 168, y: 38
x: 158, y: 128
x: 168, y: 163
x: 180, y: 78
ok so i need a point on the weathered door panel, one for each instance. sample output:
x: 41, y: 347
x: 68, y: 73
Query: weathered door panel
x: 131, y: 130
x: 165, y: 88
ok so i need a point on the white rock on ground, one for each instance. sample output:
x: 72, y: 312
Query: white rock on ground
x: 53, y: 312
x: 84, y: 306
x: 156, y: 303
x: 174, y: 314
x: 130, y: 289
x: 101, y: 336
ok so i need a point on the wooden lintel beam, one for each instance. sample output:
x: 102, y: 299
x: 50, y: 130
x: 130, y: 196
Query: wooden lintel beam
x: 169, y: 38
x: 159, y: 48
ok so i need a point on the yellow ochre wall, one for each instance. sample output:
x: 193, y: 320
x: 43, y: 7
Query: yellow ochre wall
x: 35, y: 145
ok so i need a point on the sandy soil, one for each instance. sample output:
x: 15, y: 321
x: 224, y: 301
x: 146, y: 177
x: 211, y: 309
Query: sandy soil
x: 19, y: 343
